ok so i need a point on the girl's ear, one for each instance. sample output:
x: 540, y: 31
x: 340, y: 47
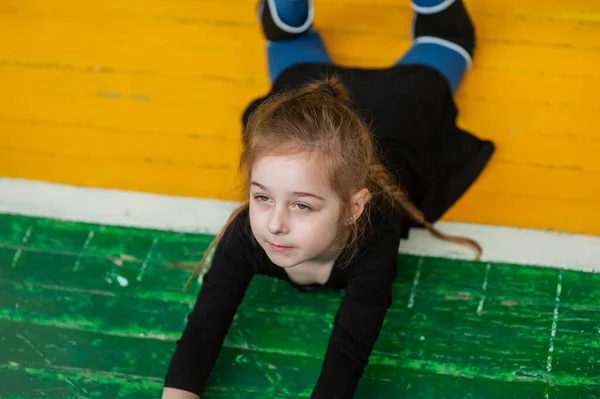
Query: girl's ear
x: 358, y: 202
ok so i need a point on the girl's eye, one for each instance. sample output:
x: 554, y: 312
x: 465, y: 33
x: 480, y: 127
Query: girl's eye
x: 262, y: 198
x: 304, y: 207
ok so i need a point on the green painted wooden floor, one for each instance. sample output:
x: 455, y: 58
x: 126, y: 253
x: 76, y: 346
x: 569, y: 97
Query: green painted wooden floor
x: 91, y: 311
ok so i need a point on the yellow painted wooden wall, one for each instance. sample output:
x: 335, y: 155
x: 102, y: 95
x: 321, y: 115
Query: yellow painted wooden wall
x: 147, y: 95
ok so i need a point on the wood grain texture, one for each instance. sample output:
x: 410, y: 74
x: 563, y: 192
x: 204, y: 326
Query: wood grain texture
x: 147, y: 96
x: 92, y: 311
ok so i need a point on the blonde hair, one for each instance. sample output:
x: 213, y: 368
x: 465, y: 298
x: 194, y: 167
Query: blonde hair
x: 317, y: 120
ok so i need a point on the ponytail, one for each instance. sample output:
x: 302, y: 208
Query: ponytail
x: 382, y: 178
x: 330, y: 85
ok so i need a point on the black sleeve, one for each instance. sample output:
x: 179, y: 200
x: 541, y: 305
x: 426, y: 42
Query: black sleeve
x: 223, y: 288
x: 361, y: 314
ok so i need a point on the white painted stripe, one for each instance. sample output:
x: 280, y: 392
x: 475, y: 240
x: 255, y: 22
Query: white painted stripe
x: 86, y: 244
x: 17, y: 255
x: 143, y: 210
x: 554, y: 323
x: 484, y: 289
x: 433, y: 9
x: 413, y: 290
x: 148, y: 256
x: 113, y: 207
x: 448, y: 44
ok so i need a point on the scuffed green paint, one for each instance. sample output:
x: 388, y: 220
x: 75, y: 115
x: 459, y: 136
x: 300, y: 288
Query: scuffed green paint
x: 89, y: 311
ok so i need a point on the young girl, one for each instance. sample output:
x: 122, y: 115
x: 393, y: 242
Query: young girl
x: 333, y: 167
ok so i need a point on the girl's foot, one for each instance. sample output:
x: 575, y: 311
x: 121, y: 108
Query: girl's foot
x: 285, y: 19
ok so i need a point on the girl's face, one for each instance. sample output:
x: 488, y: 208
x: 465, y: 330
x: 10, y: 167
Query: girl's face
x: 293, y: 211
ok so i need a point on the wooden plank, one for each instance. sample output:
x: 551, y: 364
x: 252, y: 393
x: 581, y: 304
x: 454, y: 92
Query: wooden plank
x: 52, y: 384
x: 29, y: 382
x: 567, y: 215
x: 62, y: 351
x: 530, y: 24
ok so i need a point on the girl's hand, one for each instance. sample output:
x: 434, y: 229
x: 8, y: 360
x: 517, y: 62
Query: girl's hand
x: 172, y: 393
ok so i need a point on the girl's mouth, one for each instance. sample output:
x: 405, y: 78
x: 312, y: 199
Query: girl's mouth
x: 279, y: 248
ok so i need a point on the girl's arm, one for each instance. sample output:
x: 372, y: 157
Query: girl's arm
x: 358, y: 321
x: 223, y: 289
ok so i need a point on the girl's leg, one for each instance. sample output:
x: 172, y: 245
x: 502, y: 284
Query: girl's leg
x: 443, y: 38
x: 287, y: 26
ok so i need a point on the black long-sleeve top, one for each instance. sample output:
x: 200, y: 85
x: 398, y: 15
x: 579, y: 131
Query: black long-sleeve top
x: 367, y: 281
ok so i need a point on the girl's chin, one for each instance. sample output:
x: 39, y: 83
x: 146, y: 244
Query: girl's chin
x: 276, y: 258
